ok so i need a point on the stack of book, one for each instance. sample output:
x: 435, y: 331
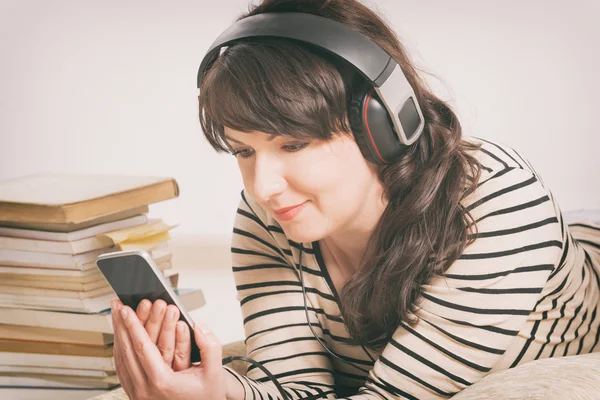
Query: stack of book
x: 55, y: 323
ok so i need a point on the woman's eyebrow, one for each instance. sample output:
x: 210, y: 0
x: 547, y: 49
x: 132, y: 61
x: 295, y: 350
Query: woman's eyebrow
x: 233, y: 140
x: 271, y: 137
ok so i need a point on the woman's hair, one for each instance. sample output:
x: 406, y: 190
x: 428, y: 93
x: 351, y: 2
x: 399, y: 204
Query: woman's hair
x: 280, y: 87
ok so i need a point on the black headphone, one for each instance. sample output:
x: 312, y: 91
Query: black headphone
x: 384, y: 113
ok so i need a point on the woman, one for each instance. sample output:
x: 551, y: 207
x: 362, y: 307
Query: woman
x: 412, y: 279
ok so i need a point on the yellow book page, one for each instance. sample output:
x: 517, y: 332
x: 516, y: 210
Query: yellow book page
x: 138, y: 232
x: 147, y: 243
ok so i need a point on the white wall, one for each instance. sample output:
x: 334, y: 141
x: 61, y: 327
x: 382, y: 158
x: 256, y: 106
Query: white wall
x: 109, y: 87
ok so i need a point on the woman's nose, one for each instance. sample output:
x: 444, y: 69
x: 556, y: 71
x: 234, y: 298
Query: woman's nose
x: 269, y: 179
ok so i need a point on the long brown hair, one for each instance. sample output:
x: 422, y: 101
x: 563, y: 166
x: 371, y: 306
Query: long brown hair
x: 281, y: 87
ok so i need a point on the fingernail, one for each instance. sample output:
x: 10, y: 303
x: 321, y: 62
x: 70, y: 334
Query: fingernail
x: 159, y: 309
x: 203, y: 328
x: 171, y: 314
x: 124, y: 313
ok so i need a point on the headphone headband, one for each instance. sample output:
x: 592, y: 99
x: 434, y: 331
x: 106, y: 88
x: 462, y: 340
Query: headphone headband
x: 385, y: 118
x: 368, y: 58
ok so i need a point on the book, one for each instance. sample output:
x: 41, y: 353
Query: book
x: 100, y: 282
x: 79, y: 262
x: 41, y: 246
x: 30, y: 370
x: 101, y: 322
x: 32, y: 381
x: 54, y: 336
x: 22, y: 271
x: 37, y: 292
x: 172, y: 278
x: 75, y: 235
x: 72, y: 227
x: 66, y: 349
x: 91, y: 305
x: 147, y: 233
x: 76, y: 198
x: 56, y: 276
x: 47, y: 275
x: 161, y: 255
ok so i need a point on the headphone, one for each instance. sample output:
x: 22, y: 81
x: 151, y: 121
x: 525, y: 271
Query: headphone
x: 384, y: 113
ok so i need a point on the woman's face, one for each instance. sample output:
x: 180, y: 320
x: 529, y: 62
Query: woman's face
x: 312, y: 188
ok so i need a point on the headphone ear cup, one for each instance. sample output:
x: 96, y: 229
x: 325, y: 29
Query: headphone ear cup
x: 373, y: 128
x: 380, y: 130
x: 356, y: 123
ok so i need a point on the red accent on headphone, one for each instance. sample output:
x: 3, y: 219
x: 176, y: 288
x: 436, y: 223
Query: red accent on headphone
x: 367, y: 125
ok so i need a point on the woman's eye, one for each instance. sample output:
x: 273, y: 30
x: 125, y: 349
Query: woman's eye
x: 294, y: 147
x: 244, y: 153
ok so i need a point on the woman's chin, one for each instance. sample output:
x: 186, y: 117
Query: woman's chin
x: 300, y: 234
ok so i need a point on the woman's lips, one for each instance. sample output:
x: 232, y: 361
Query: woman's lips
x: 289, y: 213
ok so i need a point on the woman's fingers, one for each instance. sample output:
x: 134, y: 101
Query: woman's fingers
x: 144, y: 350
x: 155, y: 319
x: 143, y: 310
x: 166, y: 339
x: 125, y: 354
x: 114, y: 305
x: 210, y: 350
x: 183, y: 346
x: 126, y: 350
x: 124, y: 378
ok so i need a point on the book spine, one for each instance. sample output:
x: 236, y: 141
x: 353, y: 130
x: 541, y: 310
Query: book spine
x: 24, y: 212
x: 101, y: 323
x: 57, y: 361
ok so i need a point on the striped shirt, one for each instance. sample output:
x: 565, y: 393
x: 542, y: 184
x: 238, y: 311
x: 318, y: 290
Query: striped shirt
x: 527, y: 288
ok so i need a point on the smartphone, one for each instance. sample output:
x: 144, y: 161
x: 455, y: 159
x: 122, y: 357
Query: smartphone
x: 134, y: 276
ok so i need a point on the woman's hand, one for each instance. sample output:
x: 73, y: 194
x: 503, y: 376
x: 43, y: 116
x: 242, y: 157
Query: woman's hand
x: 171, y: 336
x: 143, y: 372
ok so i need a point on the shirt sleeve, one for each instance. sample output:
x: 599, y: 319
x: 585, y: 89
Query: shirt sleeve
x: 466, y: 319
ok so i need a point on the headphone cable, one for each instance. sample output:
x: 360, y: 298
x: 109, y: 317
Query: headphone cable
x: 308, y: 318
x: 284, y: 394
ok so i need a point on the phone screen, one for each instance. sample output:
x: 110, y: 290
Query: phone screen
x: 133, y: 280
